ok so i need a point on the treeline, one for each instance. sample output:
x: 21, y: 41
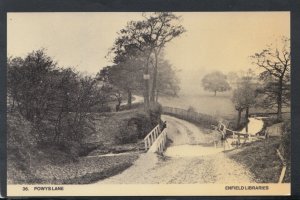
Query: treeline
x: 57, y: 101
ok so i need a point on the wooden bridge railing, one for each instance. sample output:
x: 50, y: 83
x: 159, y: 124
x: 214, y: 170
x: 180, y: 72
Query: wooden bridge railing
x: 160, y: 143
x: 234, y: 134
x: 156, y: 140
x: 151, y: 137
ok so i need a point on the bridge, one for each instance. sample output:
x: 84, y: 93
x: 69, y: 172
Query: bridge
x: 155, y: 141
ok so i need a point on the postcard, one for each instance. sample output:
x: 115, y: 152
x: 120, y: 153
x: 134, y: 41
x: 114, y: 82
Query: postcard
x: 148, y: 103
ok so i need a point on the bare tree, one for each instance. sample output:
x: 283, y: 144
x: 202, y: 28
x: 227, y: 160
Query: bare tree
x: 276, y: 63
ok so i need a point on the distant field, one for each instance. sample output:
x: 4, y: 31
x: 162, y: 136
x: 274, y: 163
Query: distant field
x: 206, y: 103
x: 219, y: 105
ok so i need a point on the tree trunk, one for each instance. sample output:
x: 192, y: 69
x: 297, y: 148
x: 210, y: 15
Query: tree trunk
x: 156, y: 96
x: 129, y: 100
x: 279, y: 100
x: 215, y: 93
x: 152, y: 96
x: 146, y: 81
x: 246, y: 117
x: 247, y: 113
x: 119, y: 104
x: 239, y: 118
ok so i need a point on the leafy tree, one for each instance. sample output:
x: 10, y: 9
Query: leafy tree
x: 167, y: 82
x: 276, y: 63
x: 148, y: 37
x: 57, y: 101
x: 126, y: 76
x: 215, y: 82
x: 248, y: 84
x: 244, y: 97
x: 232, y: 78
x: 31, y: 84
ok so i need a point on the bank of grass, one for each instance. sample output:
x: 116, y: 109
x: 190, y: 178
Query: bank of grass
x: 261, y: 159
x: 32, y: 163
x: 83, y: 171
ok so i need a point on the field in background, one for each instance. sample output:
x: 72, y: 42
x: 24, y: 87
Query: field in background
x: 219, y: 105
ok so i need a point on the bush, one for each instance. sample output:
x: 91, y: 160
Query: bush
x: 129, y: 134
x: 105, y: 108
x: 20, y: 141
x: 155, y: 111
x: 191, y: 109
x: 143, y: 123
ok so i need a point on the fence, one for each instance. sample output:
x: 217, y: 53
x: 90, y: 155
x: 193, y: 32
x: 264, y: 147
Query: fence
x: 203, y: 119
x: 151, y: 137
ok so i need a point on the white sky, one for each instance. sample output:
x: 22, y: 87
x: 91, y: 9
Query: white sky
x: 213, y: 41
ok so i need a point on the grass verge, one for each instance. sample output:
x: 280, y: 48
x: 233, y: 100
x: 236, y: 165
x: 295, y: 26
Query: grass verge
x: 84, y: 171
x: 31, y: 163
x: 261, y: 159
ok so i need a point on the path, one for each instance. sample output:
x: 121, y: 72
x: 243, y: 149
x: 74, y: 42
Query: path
x: 190, y: 164
x: 136, y: 99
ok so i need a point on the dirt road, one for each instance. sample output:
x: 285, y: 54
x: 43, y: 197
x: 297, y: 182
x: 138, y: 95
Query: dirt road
x: 185, y: 161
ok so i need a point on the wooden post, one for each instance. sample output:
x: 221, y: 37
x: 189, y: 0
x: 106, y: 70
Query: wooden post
x: 283, y: 168
x: 152, y: 138
x: 282, y: 174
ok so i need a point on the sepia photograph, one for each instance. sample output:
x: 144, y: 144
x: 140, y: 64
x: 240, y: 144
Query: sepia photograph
x: 148, y: 103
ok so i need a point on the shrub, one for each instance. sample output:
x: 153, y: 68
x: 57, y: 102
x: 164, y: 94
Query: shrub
x: 143, y: 123
x: 191, y: 109
x: 155, y: 111
x: 20, y: 141
x: 104, y: 108
x: 129, y: 134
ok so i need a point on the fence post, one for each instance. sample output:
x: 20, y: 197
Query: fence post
x: 145, y: 141
x: 149, y: 141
